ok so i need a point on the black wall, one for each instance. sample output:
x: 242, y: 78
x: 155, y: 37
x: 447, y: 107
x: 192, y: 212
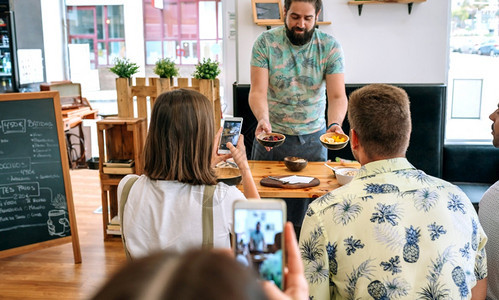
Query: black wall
x: 427, y: 109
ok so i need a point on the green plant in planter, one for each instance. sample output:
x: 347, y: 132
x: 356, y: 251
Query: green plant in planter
x: 165, y: 68
x: 207, y: 69
x: 124, y: 68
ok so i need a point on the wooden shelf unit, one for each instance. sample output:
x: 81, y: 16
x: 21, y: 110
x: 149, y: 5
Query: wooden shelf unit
x: 360, y: 4
x: 118, y: 138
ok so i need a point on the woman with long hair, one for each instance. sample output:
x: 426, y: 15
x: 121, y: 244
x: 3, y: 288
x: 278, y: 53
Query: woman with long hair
x: 164, y: 207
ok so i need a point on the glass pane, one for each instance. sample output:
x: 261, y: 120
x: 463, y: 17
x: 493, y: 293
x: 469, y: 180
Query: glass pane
x: 210, y: 49
x: 188, y: 51
x: 153, y: 52
x: 220, y: 20
x: 115, y: 19
x: 189, y: 29
x: 102, y: 53
x: 170, y: 17
x: 472, y: 78
x: 171, y: 51
x: 152, y: 22
x: 116, y: 49
x: 81, y: 21
x: 100, y: 23
x: 207, y: 17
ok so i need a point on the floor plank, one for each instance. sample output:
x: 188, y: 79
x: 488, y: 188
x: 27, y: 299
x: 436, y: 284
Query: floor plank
x: 51, y: 273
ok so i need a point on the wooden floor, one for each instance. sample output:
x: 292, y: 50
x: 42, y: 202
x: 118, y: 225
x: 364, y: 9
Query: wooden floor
x: 51, y: 273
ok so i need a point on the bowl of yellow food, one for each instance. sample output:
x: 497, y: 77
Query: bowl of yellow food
x: 334, y: 140
x: 345, y: 175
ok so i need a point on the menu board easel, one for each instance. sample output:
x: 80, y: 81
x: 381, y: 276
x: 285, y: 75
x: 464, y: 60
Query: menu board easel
x: 36, y: 200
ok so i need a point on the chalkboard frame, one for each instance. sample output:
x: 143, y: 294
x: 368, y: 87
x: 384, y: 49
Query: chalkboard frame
x: 73, y: 238
x: 276, y: 5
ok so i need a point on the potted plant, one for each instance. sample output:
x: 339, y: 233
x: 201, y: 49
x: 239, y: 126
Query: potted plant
x: 124, y: 68
x: 207, y: 69
x: 165, y: 68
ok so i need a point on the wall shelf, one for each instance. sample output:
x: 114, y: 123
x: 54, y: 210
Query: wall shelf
x: 270, y: 24
x: 360, y: 4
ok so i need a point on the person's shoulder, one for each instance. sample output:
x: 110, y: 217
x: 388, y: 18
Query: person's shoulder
x: 490, y: 200
x: 271, y: 35
x: 128, y: 177
x: 326, y: 38
x: 228, y: 193
x: 322, y: 204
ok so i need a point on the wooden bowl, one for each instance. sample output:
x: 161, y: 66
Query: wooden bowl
x: 264, y: 139
x: 294, y: 163
x: 230, y: 176
x: 334, y: 145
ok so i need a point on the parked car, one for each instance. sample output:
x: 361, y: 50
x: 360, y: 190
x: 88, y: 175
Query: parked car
x: 489, y: 47
x: 465, y: 44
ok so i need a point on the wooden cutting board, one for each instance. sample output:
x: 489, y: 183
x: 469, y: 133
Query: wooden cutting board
x: 275, y: 183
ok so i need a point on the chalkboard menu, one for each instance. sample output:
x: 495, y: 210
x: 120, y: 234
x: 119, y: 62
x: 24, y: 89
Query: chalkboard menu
x: 35, y: 194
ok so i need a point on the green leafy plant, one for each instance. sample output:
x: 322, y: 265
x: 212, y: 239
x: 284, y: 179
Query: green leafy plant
x: 207, y: 69
x: 124, y: 68
x: 165, y: 68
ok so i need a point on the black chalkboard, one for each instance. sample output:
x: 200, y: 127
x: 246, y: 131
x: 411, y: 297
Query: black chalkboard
x: 35, y: 195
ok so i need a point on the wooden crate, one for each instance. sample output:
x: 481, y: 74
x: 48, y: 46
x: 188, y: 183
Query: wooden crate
x: 153, y: 87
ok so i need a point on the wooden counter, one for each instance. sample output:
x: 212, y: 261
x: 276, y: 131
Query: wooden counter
x: 262, y: 169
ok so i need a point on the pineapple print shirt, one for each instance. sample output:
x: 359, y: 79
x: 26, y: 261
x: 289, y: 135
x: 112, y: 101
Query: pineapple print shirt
x: 296, y: 91
x: 393, y: 232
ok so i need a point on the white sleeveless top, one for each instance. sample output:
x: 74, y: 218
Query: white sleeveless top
x: 166, y: 215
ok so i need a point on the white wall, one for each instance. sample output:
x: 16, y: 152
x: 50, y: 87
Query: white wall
x: 53, y: 40
x: 383, y: 45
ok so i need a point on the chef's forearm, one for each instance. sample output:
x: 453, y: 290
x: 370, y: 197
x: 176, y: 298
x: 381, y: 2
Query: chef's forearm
x: 258, y: 93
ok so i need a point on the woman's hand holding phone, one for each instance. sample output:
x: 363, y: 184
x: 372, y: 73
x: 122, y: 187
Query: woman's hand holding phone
x: 215, y: 157
x: 239, y: 155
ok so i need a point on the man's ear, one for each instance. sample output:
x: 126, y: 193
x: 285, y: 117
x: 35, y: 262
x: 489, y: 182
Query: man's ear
x: 317, y: 15
x: 354, y: 139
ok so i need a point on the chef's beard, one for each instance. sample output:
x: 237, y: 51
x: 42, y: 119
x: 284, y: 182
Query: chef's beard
x: 299, y: 39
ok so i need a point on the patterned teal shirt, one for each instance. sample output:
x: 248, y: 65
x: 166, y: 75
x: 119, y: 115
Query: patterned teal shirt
x: 393, y: 232
x: 296, y: 94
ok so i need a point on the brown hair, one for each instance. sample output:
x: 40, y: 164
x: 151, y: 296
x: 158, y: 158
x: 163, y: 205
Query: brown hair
x: 180, y: 139
x: 316, y: 3
x: 380, y: 115
x: 197, y: 274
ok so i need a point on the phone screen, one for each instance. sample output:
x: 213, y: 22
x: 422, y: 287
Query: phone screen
x: 230, y: 133
x: 259, y: 241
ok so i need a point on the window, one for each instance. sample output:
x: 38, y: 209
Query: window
x: 102, y: 28
x: 472, y: 92
x: 175, y: 31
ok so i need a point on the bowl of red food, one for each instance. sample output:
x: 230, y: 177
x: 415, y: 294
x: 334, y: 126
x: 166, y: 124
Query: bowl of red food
x: 272, y: 139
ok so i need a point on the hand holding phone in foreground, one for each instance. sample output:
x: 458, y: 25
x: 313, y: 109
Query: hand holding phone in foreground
x: 296, y: 286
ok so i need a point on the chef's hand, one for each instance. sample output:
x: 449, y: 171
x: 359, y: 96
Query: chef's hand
x: 263, y: 126
x: 335, y: 128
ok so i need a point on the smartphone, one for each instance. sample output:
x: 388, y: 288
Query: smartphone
x: 231, y: 131
x: 258, y: 237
